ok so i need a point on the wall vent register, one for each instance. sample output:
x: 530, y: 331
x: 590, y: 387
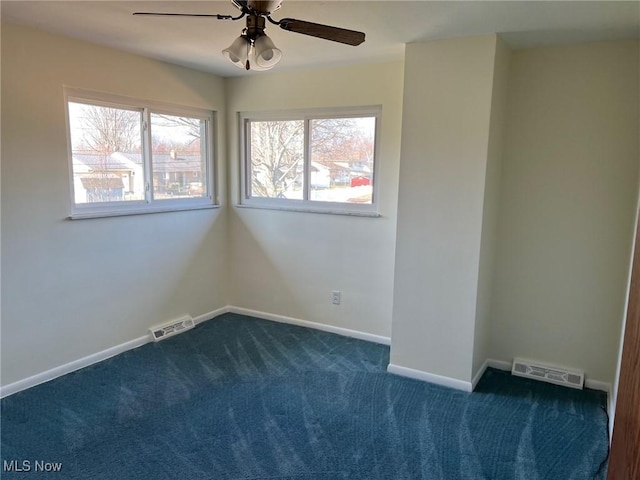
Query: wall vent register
x: 548, y: 373
x: 172, y: 328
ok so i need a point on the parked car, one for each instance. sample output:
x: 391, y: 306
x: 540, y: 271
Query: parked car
x: 360, y: 181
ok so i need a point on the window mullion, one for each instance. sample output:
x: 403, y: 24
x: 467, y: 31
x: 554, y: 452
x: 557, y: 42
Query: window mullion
x: 146, y: 155
x: 246, y: 125
x: 206, y: 158
x: 307, y: 161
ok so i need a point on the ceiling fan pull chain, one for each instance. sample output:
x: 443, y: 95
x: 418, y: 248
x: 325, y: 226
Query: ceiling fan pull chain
x: 247, y: 65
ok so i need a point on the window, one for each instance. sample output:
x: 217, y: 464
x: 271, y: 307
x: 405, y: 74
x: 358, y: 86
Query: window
x: 132, y: 157
x: 323, y: 161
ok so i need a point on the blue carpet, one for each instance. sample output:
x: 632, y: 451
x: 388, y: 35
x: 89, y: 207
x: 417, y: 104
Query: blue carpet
x: 241, y: 398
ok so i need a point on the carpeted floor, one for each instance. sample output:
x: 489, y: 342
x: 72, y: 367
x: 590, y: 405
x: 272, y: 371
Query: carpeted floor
x: 242, y: 398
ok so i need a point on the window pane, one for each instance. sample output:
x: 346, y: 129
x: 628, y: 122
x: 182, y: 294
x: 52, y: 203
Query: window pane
x: 178, y: 157
x: 106, y: 153
x: 277, y: 159
x: 342, y: 152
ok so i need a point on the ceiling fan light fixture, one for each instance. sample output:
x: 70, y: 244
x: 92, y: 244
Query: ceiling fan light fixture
x: 267, y: 54
x: 254, y: 49
x: 237, y: 52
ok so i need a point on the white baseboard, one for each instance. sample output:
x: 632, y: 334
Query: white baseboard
x: 211, y: 315
x: 457, y: 384
x: 56, y: 372
x: 611, y: 405
x: 74, y: 365
x: 611, y: 411
x: 429, y: 377
x: 489, y: 362
x: 499, y: 364
x: 317, y: 326
x: 476, y: 378
x: 588, y: 383
x: 502, y: 365
x: 598, y: 385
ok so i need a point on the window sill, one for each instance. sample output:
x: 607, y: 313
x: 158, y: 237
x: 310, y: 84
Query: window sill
x: 139, y: 211
x: 326, y: 211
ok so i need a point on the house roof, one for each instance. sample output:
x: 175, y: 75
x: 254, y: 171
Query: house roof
x: 181, y: 163
x: 164, y: 162
x: 115, y: 161
x: 91, y: 182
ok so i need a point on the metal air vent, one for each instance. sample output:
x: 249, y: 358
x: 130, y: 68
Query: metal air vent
x: 172, y: 328
x: 548, y: 373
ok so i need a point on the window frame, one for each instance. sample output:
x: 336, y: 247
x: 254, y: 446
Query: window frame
x: 306, y: 204
x: 146, y: 109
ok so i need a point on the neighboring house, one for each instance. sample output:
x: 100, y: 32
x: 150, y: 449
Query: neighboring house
x: 101, y: 187
x: 119, y: 176
x: 320, y: 175
x: 176, y: 174
x: 99, y: 178
x: 340, y: 172
x: 326, y: 174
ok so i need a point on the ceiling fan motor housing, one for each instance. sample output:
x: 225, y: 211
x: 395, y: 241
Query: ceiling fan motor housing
x: 259, y: 7
x: 255, y: 26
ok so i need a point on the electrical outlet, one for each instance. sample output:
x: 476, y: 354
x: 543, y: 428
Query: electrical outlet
x: 335, y: 297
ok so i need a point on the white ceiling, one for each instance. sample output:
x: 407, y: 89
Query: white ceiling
x: 197, y: 43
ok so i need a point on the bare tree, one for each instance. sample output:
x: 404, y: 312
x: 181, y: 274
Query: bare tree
x: 276, y: 156
x: 188, y: 126
x: 108, y: 130
x: 341, y: 139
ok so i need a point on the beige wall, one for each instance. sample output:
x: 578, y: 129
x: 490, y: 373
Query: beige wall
x: 445, y: 141
x: 287, y: 263
x: 569, y: 187
x: 488, y: 242
x: 74, y: 288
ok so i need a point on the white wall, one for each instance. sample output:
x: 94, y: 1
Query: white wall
x: 73, y: 288
x: 445, y: 142
x: 287, y: 263
x: 488, y: 242
x: 569, y: 188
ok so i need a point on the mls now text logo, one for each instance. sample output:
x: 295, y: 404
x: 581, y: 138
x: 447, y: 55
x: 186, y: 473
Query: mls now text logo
x: 29, y: 466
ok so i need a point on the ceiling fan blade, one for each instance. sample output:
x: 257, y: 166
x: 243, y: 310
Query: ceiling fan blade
x: 158, y: 14
x: 335, y: 34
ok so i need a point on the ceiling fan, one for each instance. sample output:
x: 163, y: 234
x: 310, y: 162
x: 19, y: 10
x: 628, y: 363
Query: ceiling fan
x: 253, y: 49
